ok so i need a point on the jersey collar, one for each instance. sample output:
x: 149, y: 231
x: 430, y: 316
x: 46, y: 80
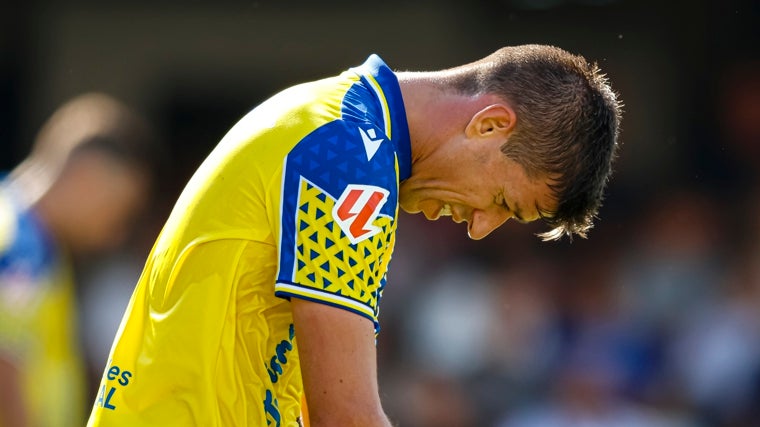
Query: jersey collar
x: 385, y: 85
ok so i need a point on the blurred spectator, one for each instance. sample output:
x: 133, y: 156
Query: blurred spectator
x: 583, y: 396
x: 601, y: 361
x: 714, y: 356
x: 448, y: 331
x: 436, y: 401
x: 73, y: 197
x: 523, y: 337
x: 672, y: 265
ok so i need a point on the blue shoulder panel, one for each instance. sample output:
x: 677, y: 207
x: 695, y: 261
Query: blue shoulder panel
x: 31, y: 252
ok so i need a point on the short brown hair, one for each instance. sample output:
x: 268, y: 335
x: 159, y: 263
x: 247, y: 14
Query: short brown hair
x: 567, y: 125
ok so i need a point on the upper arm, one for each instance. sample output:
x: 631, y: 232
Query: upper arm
x: 338, y: 365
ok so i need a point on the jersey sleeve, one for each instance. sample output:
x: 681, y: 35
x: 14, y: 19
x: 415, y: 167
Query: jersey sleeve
x: 338, y: 221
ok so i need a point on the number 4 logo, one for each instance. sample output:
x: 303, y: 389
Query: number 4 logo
x: 357, y: 208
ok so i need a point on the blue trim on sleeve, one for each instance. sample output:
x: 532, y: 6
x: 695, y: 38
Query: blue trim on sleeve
x: 387, y: 79
x: 288, y: 295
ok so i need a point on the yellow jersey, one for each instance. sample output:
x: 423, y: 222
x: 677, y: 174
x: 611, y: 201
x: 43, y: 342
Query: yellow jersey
x: 298, y: 200
x: 38, y: 317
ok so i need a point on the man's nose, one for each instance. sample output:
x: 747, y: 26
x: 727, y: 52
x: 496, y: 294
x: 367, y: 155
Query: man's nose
x: 483, y: 223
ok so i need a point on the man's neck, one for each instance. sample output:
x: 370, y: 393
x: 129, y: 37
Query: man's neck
x: 435, y: 115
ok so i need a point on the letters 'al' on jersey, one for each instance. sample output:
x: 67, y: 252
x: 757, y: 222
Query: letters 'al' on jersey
x: 298, y: 200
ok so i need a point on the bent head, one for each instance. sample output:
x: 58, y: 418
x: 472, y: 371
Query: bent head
x: 567, y: 126
x: 541, y: 140
x: 95, y: 201
x: 471, y: 180
x: 89, y: 172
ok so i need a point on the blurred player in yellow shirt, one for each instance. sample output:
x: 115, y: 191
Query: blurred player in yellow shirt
x: 75, y: 194
x: 264, y: 285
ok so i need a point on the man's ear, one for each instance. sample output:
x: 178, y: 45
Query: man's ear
x: 493, y: 120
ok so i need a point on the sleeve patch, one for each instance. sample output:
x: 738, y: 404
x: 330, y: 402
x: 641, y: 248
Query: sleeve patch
x: 327, y: 259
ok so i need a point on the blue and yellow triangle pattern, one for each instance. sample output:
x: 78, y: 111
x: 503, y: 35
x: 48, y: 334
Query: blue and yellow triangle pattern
x: 331, y: 269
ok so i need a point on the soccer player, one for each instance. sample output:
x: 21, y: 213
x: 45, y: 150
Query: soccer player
x: 261, y: 295
x: 75, y: 194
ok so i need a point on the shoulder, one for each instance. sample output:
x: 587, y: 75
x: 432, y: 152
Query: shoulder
x: 26, y: 249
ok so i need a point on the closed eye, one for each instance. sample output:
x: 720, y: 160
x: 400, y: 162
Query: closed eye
x: 514, y: 213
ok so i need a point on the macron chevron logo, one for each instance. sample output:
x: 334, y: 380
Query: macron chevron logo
x: 371, y: 144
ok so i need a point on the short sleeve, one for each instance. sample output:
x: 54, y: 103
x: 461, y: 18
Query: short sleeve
x: 338, y: 221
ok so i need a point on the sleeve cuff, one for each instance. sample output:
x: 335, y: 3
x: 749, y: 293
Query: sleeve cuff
x: 291, y: 290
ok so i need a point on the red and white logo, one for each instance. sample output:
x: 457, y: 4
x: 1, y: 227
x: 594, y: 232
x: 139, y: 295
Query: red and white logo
x: 356, y: 210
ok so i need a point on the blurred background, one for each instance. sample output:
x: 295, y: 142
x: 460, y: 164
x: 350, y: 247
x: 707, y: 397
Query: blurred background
x: 652, y: 321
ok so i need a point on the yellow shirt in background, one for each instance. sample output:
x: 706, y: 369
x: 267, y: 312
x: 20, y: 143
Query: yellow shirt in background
x: 38, y: 318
